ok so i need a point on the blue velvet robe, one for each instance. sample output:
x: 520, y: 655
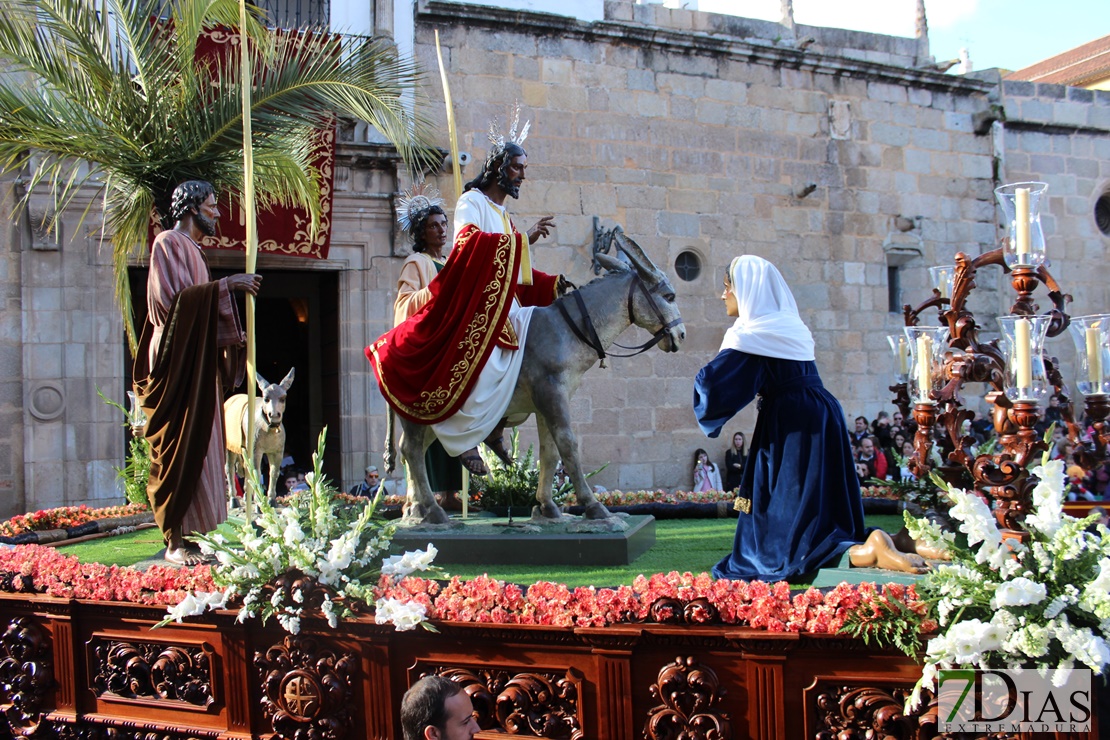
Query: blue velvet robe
x: 805, y: 505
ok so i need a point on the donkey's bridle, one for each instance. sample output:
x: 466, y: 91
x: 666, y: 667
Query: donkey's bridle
x: 588, y: 334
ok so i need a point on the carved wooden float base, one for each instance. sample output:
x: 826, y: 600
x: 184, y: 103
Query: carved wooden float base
x: 96, y: 671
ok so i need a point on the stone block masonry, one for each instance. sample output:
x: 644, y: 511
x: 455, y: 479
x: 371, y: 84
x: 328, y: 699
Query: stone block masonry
x: 737, y: 123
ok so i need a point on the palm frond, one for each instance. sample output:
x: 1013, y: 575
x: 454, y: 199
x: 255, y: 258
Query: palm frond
x: 124, y: 105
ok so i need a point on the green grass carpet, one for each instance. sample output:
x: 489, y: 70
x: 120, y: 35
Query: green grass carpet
x: 122, y: 549
x: 693, y: 545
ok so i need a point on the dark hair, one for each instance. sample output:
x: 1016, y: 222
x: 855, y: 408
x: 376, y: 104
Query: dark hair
x: 187, y: 196
x: 497, y: 163
x: 425, y: 705
x: 700, y: 451
x: 418, y: 224
x: 861, y: 418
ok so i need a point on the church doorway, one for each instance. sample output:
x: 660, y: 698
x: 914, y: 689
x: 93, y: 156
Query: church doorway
x: 297, y: 316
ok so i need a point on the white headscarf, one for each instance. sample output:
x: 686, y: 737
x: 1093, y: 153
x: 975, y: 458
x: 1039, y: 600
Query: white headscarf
x: 768, y: 324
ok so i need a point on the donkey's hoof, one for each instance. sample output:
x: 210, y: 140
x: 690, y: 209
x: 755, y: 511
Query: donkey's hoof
x: 597, y: 510
x: 547, y: 512
x: 435, y: 515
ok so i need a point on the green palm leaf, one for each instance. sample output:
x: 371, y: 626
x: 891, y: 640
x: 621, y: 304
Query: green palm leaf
x: 127, y: 108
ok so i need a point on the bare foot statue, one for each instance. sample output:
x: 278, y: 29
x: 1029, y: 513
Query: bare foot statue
x: 878, y: 551
x: 905, y: 543
x: 180, y: 551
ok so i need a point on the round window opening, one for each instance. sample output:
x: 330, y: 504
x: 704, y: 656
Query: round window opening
x: 687, y: 266
x: 1102, y: 213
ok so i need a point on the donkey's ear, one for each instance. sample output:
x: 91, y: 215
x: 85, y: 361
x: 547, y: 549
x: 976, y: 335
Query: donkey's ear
x: 612, y: 264
x: 636, y: 255
x: 288, y: 379
x: 262, y: 382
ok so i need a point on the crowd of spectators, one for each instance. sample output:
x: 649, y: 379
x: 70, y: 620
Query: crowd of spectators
x: 882, y: 448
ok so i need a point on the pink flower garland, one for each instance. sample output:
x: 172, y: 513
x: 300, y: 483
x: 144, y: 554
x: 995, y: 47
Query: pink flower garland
x: 678, y: 597
x: 45, y: 570
x: 64, y: 517
x: 754, y: 604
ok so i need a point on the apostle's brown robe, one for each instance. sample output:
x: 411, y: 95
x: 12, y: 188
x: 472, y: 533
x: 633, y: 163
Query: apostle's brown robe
x: 181, y: 370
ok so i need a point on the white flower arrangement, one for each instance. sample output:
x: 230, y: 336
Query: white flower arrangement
x: 310, y: 555
x: 1042, y: 604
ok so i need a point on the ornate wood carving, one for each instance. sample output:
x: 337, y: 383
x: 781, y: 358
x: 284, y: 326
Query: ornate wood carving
x: 118, y: 731
x: 690, y: 695
x: 307, y: 689
x: 26, y: 675
x: 150, y: 670
x: 537, y: 704
x: 859, y: 712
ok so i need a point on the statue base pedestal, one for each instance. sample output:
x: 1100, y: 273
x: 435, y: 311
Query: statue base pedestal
x: 492, y: 541
x: 842, y: 571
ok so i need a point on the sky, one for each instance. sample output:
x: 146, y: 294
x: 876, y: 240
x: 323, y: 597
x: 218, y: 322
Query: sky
x: 1011, y: 34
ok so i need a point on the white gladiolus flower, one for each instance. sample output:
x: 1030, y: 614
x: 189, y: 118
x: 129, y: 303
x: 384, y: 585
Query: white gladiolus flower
x: 1048, y: 498
x: 421, y: 559
x: 328, y: 608
x: 402, y: 615
x: 289, y: 623
x: 965, y: 641
x: 293, y: 533
x: 1018, y: 592
x: 1054, y: 607
x: 975, y: 519
x: 195, y: 604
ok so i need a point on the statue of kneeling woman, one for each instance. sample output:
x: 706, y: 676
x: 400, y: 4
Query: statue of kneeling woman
x: 799, y: 498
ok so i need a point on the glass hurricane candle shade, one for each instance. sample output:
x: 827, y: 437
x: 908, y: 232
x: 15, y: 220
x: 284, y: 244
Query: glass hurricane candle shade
x: 942, y: 278
x: 1021, y: 203
x: 1091, y: 335
x: 1023, y: 342
x: 927, y: 346
x: 900, y: 349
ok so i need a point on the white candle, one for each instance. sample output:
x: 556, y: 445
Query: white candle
x: 1023, y: 356
x: 1021, y: 205
x: 1094, y: 358
x: 903, y: 357
x: 924, y: 365
x: 943, y: 283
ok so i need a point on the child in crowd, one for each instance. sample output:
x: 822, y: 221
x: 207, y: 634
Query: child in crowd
x: 707, y: 477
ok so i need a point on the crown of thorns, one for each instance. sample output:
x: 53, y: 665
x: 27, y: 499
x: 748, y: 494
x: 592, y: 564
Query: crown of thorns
x: 499, y: 140
x: 415, y: 203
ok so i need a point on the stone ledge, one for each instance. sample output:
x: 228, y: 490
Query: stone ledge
x: 489, y: 541
x: 692, y: 42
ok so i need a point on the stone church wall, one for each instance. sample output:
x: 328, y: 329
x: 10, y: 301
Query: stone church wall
x: 828, y: 152
x: 701, y: 134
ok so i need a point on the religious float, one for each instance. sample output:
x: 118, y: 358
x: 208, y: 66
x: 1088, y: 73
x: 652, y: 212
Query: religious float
x: 302, y: 631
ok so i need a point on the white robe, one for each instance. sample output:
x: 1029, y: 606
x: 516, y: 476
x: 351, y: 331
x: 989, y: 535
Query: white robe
x: 490, y: 396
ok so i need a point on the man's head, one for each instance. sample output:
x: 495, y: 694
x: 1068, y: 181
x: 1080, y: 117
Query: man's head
x: 437, y: 708
x: 897, y: 418
x: 866, y: 448
x: 504, y: 169
x: 196, y: 198
x: 372, y: 476
x: 429, y: 230
x: 861, y: 423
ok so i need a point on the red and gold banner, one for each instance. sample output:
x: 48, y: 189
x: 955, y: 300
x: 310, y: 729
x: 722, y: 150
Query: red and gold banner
x: 280, y: 230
